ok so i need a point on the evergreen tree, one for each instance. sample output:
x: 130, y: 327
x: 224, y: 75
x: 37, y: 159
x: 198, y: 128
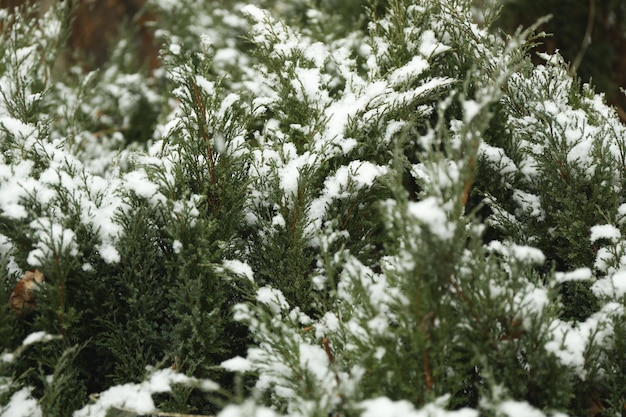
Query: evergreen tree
x: 394, y: 212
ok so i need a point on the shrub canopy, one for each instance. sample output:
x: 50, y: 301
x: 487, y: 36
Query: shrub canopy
x: 309, y: 210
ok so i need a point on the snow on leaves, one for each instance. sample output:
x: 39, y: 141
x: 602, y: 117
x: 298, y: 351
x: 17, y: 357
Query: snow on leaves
x: 137, y: 398
x: 383, y: 406
x: 311, y: 128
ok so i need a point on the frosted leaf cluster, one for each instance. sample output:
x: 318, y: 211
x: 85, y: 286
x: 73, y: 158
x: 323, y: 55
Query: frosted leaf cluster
x: 379, y: 208
x: 138, y: 397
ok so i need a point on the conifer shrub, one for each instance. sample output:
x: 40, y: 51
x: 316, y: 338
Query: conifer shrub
x: 389, y: 212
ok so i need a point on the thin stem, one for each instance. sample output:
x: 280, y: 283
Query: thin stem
x: 586, y: 39
x: 61, y: 287
x: 201, y: 113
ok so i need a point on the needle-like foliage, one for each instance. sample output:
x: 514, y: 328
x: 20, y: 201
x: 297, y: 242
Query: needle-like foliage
x: 390, y: 213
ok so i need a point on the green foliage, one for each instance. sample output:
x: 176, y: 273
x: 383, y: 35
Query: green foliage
x: 390, y: 212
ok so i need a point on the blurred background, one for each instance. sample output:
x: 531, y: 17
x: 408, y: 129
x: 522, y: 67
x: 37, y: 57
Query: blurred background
x: 601, y: 59
x: 590, y: 34
x: 98, y: 24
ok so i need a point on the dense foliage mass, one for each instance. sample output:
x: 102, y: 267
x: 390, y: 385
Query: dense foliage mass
x: 308, y: 210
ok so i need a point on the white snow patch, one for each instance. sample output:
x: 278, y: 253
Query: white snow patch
x: 205, y: 85
x: 603, y: 259
x: 52, y: 239
x: 514, y: 408
x: 255, y: 13
x: 384, y: 407
x: 248, y: 409
x: 330, y: 322
x: 497, y: 157
x: 273, y: 298
x: 532, y: 302
x: 357, y: 173
x: 407, y: 72
x: 621, y: 213
x: 5, y: 245
x: 393, y: 127
x: 580, y: 274
x: 605, y: 231
x: 613, y: 286
x: 364, y: 173
x: 379, y: 325
x: 471, y: 109
x: 226, y: 103
x: 16, y: 127
x: 15, y: 183
x: 314, y: 359
x: 177, y: 246
x: 529, y: 203
x: 528, y: 254
x: 430, y: 212
x: 109, y: 253
x: 175, y: 49
x: 237, y: 364
x: 317, y: 53
x: 289, y: 174
x: 138, y: 182
x: 420, y: 173
x: 39, y: 337
x: 206, y: 40
x: 308, y: 82
x: 21, y: 404
x: 138, y: 397
x: 571, y: 340
x: 521, y: 253
x: 430, y: 46
x: 239, y: 268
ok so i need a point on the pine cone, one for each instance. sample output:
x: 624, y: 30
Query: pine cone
x: 22, y: 299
